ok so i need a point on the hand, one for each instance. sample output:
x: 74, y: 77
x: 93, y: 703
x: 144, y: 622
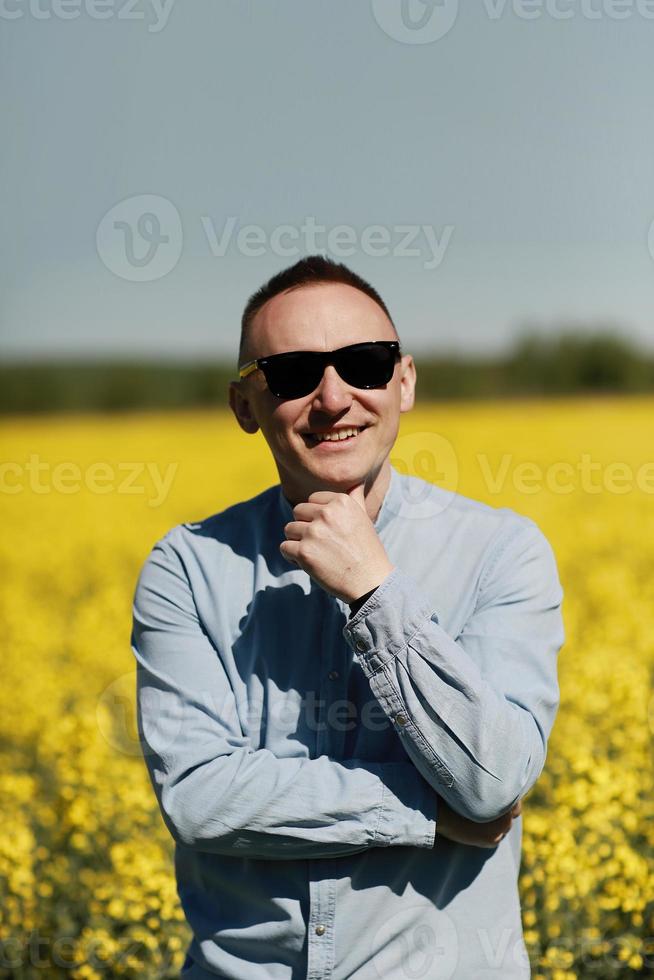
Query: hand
x: 457, y: 828
x: 333, y: 539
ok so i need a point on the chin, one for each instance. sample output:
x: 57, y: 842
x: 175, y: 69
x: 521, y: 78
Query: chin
x: 342, y: 479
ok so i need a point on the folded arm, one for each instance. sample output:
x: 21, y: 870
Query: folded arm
x: 474, y: 712
x: 216, y: 792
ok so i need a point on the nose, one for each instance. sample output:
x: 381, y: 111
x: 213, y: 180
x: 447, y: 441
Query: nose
x: 332, y: 394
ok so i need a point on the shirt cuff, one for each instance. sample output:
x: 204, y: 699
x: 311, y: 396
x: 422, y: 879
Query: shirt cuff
x: 387, y: 621
x: 356, y: 605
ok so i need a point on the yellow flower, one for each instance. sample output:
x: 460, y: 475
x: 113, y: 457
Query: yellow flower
x: 84, y: 851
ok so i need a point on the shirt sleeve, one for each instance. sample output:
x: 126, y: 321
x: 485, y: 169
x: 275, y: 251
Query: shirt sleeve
x: 475, y: 711
x: 218, y: 793
x: 356, y: 605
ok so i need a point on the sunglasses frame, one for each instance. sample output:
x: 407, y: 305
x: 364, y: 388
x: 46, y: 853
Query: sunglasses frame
x: 260, y: 363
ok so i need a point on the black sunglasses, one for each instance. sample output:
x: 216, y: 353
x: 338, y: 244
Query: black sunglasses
x: 297, y: 373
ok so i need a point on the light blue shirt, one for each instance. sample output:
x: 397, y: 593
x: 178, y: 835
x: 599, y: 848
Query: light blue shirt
x: 296, y: 755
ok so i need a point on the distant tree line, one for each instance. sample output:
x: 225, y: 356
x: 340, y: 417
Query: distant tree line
x: 568, y: 362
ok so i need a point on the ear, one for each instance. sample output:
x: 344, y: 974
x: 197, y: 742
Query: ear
x: 407, y: 383
x: 240, y: 406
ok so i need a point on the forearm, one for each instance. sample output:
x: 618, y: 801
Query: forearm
x: 253, y: 804
x: 480, y: 748
x: 216, y: 792
x: 462, y: 737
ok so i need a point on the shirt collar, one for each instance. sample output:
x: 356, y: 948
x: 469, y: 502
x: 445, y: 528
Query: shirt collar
x: 390, y: 506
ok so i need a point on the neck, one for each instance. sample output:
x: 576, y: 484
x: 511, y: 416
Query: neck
x: 375, y: 486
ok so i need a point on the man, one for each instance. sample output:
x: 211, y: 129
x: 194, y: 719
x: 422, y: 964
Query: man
x: 342, y: 695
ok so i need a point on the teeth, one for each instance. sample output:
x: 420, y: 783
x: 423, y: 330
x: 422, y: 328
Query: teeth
x: 335, y: 436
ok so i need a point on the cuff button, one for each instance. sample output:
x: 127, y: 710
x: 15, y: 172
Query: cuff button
x: 401, y: 719
x: 360, y: 645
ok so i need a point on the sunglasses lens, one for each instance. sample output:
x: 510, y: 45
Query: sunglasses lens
x: 367, y: 365
x: 293, y: 375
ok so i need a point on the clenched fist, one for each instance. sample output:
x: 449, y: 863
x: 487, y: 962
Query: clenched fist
x: 333, y: 539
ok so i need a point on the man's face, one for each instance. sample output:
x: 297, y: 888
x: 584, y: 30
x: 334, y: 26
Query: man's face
x: 323, y: 317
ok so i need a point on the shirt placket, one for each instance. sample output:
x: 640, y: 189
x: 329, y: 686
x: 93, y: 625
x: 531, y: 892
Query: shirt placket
x: 322, y: 889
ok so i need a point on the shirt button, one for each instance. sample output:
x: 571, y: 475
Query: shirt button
x: 333, y: 675
x: 320, y: 930
x: 360, y: 645
x: 401, y: 719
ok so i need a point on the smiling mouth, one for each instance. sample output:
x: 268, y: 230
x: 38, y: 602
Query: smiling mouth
x: 335, y: 436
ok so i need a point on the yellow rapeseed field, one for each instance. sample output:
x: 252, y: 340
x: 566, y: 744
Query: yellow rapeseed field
x: 87, y: 887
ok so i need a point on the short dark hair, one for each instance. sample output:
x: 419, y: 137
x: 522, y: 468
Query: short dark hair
x: 309, y: 270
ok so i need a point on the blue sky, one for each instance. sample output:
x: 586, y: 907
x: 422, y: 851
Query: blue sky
x: 486, y: 167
